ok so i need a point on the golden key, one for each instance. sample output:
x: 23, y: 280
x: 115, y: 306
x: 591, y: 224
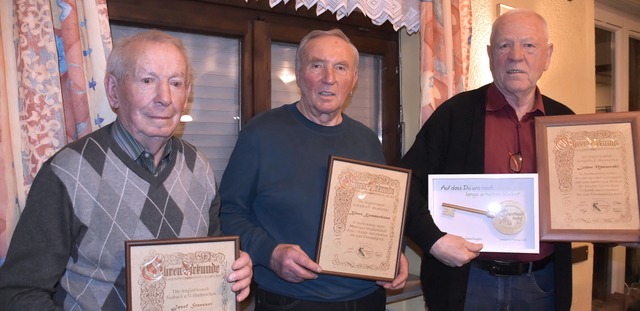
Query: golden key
x: 509, y: 218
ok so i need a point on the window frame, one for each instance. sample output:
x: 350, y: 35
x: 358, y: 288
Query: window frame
x: 257, y: 25
x: 608, y: 274
x: 624, y: 27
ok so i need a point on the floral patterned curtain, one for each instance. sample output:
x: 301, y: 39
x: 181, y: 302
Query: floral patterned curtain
x: 51, y: 91
x: 400, y: 13
x: 445, y: 30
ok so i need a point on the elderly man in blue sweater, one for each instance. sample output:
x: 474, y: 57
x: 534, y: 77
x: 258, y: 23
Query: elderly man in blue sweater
x: 273, y: 188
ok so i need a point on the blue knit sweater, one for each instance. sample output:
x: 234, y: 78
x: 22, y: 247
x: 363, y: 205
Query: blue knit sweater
x: 272, y: 192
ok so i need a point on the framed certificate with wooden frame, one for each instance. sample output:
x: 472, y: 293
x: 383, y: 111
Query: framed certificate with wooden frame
x: 181, y: 274
x: 363, y: 219
x: 588, y: 171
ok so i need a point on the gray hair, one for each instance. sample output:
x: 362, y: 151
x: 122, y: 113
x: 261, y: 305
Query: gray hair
x: 122, y: 58
x: 324, y: 33
x: 545, y: 28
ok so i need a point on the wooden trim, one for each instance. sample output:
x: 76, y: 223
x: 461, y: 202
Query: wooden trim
x: 247, y: 111
x: 262, y: 66
x: 579, y: 254
x: 177, y: 15
x: 222, y: 16
x: 391, y: 131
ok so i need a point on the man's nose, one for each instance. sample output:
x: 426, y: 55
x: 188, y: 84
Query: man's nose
x: 329, y: 76
x: 516, y: 53
x: 163, y: 93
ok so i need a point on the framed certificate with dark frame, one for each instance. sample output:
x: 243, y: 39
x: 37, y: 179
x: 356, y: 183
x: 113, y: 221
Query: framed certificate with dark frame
x: 588, y: 172
x: 181, y: 274
x: 363, y: 219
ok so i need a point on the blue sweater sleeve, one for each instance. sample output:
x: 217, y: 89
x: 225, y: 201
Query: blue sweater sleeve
x: 238, y: 191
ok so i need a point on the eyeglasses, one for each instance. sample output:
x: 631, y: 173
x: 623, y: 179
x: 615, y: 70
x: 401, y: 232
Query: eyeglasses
x: 515, y: 162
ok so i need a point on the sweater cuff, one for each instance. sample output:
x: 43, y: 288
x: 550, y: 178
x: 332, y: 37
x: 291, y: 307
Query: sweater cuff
x: 430, y: 239
x: 263, y: 252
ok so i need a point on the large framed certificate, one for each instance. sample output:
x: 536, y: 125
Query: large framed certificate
x: 588, y: 168
x: 498, y: 210
x: 363, y: 219
x: 177, y: 274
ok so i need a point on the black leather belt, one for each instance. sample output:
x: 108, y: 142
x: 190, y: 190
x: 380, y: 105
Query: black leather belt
x: 505, y: 268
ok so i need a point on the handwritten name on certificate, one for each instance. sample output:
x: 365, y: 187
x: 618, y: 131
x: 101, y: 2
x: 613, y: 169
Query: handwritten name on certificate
x: 592, y: 172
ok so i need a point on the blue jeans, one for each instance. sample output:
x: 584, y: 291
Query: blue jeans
x: 529, y: 291
x: 267, y: 301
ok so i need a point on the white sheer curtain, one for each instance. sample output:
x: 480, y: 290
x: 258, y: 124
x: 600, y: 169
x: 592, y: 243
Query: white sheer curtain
x: 400, y: 13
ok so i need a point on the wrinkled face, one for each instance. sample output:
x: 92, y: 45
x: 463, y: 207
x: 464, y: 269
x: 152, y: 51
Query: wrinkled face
x: 152, y: 96
x: 519, y: 53
x: 327, y: 75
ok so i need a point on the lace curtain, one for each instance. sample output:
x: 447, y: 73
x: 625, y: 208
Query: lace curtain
x: 400, y: 13
x: 52, y: 64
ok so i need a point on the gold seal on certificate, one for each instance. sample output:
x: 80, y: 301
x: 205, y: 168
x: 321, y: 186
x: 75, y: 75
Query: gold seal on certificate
x: 361, y: 231
x: 181, y: 274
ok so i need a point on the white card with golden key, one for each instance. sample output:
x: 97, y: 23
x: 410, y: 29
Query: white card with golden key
x: 498, y: 210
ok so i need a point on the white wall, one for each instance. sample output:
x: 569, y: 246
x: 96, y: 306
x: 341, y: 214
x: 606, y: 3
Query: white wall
x: 570, y: 80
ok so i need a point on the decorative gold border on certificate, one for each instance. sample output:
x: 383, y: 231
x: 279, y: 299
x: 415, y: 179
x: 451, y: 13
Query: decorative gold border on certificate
x: 155, y: 266
x: 560, y: 141
x: 369, y: 248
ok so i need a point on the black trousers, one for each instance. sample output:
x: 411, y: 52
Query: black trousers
x: 267, y: 301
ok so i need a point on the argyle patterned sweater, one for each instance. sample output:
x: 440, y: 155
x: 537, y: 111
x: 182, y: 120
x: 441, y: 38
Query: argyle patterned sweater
x: 68, y: 247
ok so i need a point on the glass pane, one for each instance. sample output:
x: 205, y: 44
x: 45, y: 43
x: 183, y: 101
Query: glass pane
x: 365, y: 103
x: 634, y: 74
x: 214, y: 103
x: 284, y: 89
x: 604, y: 70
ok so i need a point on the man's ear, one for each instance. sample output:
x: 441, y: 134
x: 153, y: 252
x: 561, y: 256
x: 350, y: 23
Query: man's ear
x: 549, y: 53
x: 490, y: 56
x: 297, y: 74
x: 186, y: 100
x: 111, y: 88
x: 355, y: 79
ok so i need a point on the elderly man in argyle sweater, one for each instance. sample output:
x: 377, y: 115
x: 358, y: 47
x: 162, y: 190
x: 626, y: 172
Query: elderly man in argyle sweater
x: 130, y: 180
